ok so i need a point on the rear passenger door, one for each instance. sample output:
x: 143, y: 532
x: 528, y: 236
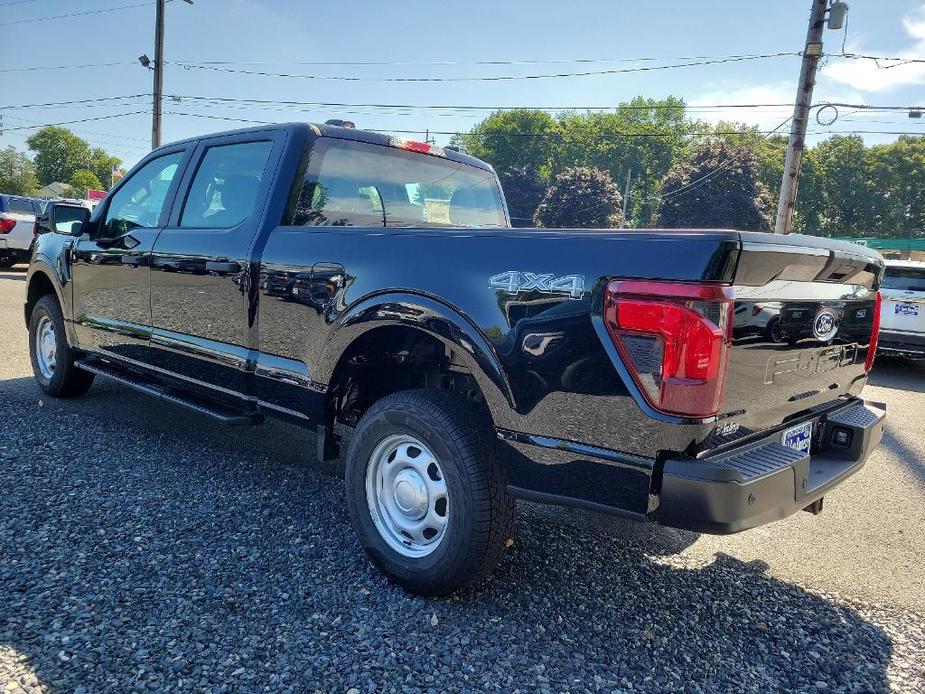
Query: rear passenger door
x: 201, y: 261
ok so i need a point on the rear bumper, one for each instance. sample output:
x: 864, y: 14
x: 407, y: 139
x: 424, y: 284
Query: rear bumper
x: 901, y: 343
x: 765, y: 481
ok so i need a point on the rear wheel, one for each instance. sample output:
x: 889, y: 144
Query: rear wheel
x: 52, y: 356
x: 425, y: 491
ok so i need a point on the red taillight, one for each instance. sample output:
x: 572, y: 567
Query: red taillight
x: 415, y: 146
x: 874, y: 334
x: 675, y: 340
x: 6, y: 225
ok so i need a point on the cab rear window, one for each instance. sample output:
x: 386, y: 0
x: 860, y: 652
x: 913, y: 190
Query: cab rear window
x: 351, y: 183
x: 904, y: 278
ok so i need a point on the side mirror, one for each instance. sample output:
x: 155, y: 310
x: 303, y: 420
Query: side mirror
x: 63, y: 219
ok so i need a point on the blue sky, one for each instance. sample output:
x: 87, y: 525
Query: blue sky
x: 274, y: 36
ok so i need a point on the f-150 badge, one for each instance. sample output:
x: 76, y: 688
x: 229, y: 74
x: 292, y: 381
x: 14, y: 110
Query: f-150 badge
x: 514, y: 281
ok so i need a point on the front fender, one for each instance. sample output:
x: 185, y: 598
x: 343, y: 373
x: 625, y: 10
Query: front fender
x: 437, y: 320
x: 48, y: 270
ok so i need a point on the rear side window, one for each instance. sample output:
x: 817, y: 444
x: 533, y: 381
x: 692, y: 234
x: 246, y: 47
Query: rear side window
x: 904, y: 278
x: 224, y: 189
x: 351, y: 183
x: 20, y: 205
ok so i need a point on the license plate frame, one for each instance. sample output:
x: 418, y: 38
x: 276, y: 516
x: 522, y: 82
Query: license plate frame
x: 799, y: 437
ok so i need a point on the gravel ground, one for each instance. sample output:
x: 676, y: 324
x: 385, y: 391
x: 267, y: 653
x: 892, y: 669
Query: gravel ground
x: 142, y: 547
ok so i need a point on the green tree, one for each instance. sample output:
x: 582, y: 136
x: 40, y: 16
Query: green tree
x: 101, y: 164
x: 508, y: 139
x: 523, y: 190
x: 642, y: 138
x: 58, y: 153
x: 848, y: 201
x: 718, y: 186
x: 897, y: 180
x: 17, y: 174
x: 82, y: 180
x: 581, y: 197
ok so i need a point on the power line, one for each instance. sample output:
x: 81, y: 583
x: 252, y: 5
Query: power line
x: 388, y: 63
x: 469, y: 107
x: 877, y: 58
x: 65, y: 67
x: 494, y: 78
x: 95, y: 100
x: 75, y: 14
x: 81, y: 120
x: 15, y: 2
x: 705, y: 133
x: 99, y: 138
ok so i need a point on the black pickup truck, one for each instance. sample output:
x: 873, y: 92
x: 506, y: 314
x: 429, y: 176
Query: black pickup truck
x: 371, y: 288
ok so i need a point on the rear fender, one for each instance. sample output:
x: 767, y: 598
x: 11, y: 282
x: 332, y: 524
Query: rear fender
x: 437, y: 320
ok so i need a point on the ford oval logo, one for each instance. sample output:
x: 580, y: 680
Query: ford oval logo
x: 825, y: 325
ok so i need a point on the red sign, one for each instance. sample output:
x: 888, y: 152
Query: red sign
x: 96, y: 195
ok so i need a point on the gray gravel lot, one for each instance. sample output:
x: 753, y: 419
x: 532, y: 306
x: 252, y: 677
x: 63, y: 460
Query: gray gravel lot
x: 142, y: 547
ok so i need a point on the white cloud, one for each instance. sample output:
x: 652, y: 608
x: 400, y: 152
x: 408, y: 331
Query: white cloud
x: 765, y: 117
x: 865, y: 75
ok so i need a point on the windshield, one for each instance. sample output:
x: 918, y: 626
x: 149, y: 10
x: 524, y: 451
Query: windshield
x: 359, y: 184
x: 903, y: 278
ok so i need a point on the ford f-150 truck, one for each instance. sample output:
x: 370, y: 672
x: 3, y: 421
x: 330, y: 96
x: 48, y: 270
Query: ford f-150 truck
x: 371, y: 288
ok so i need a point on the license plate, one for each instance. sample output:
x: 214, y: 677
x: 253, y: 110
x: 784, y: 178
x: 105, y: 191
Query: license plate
x: 799, y: 437
x: 907, y: 309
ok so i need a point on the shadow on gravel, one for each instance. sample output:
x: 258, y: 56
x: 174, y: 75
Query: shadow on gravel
x: 143, y: 548
x: 899, y: 374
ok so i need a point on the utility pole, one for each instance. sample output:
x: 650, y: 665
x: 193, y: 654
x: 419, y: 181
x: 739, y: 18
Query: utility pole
x: 626, y: 194
x: 158, y: 74
x: 812, y: 51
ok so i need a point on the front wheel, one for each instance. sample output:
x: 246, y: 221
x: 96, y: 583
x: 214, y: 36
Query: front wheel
x: 52, y: 356
x: 426, y: 492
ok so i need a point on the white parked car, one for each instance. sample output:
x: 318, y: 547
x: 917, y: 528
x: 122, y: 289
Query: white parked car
x: 902, y: 314
x: 17, y: 222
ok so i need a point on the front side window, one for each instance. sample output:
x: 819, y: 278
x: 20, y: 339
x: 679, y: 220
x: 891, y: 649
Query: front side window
x: 351, y: 183
x: 224, y: 189
x: 140, y: 200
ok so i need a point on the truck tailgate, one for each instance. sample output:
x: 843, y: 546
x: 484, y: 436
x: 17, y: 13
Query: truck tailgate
x: 803, y: 320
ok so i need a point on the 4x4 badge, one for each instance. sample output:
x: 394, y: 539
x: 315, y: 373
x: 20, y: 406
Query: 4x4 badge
x: 514, y: 281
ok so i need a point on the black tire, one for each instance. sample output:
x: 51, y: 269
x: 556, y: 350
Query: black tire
x: 66, y: 380
x: 481, y: 513
x: 773, y: 331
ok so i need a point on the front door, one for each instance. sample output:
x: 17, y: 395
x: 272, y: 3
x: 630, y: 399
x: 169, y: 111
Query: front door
x: 201, y: 262
x: 109, y: 265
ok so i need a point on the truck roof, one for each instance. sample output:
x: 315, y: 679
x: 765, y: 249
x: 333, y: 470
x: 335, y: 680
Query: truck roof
x: 355, y: 134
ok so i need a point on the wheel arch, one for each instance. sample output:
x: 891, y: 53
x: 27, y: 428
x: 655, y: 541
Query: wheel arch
x: 39, y: 283
x: 399, y: 315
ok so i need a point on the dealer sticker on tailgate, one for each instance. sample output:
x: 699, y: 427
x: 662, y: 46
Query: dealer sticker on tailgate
x: 798, y: 438
x: 907, y: 309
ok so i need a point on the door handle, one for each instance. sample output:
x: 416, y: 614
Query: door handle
x: 133, y: 260
x: 221, y: 266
